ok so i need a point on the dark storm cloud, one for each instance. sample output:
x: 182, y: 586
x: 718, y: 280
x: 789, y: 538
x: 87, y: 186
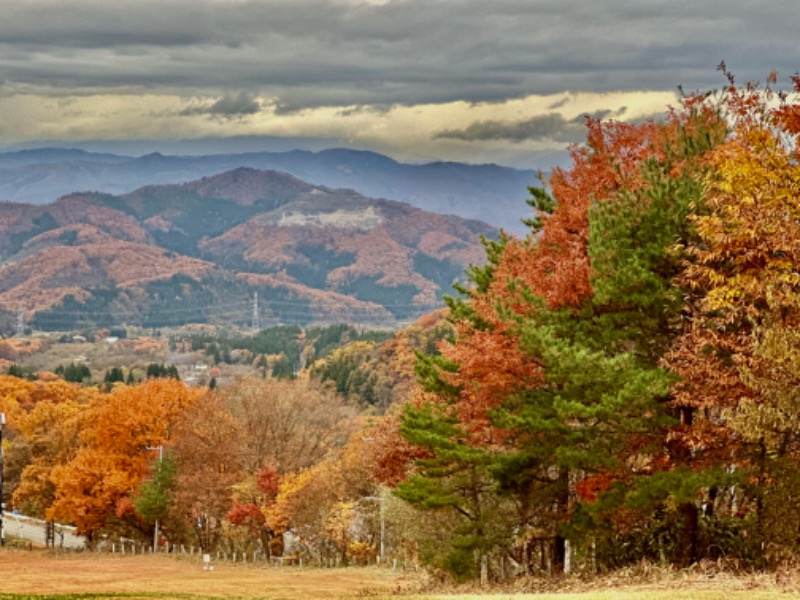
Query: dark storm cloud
x: 552, y: 127
x: 307, y: 53
x: 229, y: 105
x: 559, y: 103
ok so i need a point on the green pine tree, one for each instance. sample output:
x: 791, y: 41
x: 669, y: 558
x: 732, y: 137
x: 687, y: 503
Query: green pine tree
x: 152, y: 502
x: 456, y: 481
x: 603, y: 403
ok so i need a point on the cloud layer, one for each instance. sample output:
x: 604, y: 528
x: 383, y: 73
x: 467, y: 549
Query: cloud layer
x: 229, y: 60
x: 549, y: 127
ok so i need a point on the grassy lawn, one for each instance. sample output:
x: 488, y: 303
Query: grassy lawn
x: 42, y: 575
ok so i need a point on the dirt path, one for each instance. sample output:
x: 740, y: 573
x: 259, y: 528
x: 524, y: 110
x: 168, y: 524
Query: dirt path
x: 41, y: 573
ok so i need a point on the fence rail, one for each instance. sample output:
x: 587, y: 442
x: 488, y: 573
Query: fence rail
x: 35, y: 530
x: 253, y: 557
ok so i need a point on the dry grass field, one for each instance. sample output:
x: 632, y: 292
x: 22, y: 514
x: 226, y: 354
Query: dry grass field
x: 39, y: 574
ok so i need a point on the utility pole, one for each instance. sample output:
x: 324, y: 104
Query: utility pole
x: 160, y: 460
x: 382, y: 499
x: 256, y: 325
x: 2, y: 504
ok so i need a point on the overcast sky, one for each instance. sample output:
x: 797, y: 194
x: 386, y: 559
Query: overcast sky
x: 474, y: 80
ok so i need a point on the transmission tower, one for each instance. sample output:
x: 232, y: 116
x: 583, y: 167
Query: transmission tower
x: 256, y: 324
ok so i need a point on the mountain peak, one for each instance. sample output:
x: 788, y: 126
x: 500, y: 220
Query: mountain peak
x: 361, y: 156
x: 487, y: 192
x: 246, y: 186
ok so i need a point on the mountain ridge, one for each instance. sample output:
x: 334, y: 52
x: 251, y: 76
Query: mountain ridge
x: 488, y: 192
x: 194, y: 252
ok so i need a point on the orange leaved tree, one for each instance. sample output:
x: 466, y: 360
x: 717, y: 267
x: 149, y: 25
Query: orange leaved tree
x: 120, y: 431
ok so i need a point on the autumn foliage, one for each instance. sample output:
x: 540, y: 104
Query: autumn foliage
x: 211, y: 467
x: 609, y: 374
x: 119, y: 434
x: 620, y: 384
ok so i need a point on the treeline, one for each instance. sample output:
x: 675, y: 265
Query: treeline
x: 378, y: 374
x: 360, y: 363
x: 231, y: 469
x: 80, y: 373
x: 286, y: 339
x: 173, y: 302
x: 291, y: 347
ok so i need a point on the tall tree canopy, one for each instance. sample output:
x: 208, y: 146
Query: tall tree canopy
x: 120, y: 431
x: 606, y: 356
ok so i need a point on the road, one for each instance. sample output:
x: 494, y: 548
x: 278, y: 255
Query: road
x: 28, y: 528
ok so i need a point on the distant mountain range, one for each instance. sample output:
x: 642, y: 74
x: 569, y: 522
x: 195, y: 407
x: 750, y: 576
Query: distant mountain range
x: 201, y: 251
x: 491, y: 193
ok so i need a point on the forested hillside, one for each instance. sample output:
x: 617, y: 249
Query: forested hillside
x: 200, y: 252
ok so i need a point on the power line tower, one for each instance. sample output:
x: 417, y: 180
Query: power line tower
x: 20, y: 322
x: 256, y: 324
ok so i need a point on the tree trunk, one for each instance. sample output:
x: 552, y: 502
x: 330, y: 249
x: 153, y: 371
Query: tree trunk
x: 484, y: 571
x: 562, y: 502
x: 559, y: 554
x: 687, y: 547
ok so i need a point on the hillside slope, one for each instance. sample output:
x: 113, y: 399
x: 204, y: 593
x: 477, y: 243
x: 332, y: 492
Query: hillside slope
x: 202, y: 250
